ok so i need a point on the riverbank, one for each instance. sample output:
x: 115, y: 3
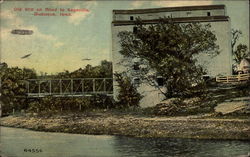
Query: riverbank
x: 108, y: 123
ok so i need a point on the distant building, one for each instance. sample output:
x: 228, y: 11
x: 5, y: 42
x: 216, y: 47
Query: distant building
x: 213, y: 14
x: 244, y: 66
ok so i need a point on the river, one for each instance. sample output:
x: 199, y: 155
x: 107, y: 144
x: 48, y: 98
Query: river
x: 25, y: 143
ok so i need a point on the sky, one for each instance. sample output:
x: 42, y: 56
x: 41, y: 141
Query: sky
x: 61, y: 42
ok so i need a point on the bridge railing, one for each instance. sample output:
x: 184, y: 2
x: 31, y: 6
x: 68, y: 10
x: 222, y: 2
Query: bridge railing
x: 233, y: 78
x: 69, y: 87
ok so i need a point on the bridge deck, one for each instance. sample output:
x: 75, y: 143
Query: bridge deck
x: 76, y: 87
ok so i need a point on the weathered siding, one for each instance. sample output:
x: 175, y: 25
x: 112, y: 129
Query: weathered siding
x: 174, y: 14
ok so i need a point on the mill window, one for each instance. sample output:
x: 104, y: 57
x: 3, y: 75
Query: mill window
x: 136, y: 66
x: 159, y: 81
x: 189, y: 13
x: 135, y: 29
x: 136, y: 81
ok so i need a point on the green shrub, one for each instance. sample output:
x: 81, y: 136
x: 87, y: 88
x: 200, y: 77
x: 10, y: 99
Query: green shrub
x: 128, y: 95
x: 70, y: 103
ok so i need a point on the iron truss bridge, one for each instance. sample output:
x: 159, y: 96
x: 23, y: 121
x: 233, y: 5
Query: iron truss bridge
x: 76, y: 87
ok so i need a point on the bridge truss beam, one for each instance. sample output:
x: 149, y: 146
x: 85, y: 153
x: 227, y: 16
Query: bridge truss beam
x: 76, y: 87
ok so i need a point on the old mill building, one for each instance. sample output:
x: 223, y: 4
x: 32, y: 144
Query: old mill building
x: 214, y: 14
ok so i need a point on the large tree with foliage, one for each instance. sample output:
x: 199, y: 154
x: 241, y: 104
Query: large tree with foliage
x: 13, y: 88
x: 169, y: 49
x: 240, y: 51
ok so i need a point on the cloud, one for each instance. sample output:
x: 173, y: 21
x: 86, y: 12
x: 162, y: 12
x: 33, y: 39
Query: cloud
x: 7, y: 14
x: 58, y: 44
x: 101, y: 54
x: 14, y: 46
x: 63, y: 2
x: 5, y: 32
x: 64, y: 61
x: 78, y: 17
x: 175, y: 3
x: 39, y: 35
x: 10, y: 18
x: 137, y: 3
x: 12, y: 21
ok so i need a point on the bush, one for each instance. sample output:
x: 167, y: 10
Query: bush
x: 169, y: 107
x: 128, y: 95
x: 102, y: 102
x: 70, y: 103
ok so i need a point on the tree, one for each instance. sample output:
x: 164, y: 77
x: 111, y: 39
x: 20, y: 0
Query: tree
x: 128, y: 95
x: 106, y: 69
x: 13, y: 87
x: 240, y: 51
x: 169, y: 50
x: 235, y: 37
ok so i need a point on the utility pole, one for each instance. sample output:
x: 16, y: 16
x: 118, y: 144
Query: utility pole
x: 1, y: 104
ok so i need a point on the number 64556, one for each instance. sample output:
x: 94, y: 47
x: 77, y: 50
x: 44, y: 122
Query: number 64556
x: 33, y: 150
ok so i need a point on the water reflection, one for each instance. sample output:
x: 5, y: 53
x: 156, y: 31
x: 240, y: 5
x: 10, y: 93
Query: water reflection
x: 14, y: 141
x: 157, y: 147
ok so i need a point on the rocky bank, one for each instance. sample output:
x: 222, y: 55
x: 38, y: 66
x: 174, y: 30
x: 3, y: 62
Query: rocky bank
x: 136, y: 126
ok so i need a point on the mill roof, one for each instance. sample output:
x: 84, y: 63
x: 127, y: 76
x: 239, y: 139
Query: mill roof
x: 169, y: 9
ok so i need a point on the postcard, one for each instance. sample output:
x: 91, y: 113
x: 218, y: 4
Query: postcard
x: 92, y: 78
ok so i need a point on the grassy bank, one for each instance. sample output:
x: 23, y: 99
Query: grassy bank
x: 115, y: 123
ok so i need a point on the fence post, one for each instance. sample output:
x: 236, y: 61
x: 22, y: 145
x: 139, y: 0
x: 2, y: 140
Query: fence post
x: 82, y: 81
x: 60, y: 84
x: 72, y: 87
x: 39, y: 88
x: 93, y: 85
x: 28, y: 86
x: 50, y: 86
x: 104, y: 88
